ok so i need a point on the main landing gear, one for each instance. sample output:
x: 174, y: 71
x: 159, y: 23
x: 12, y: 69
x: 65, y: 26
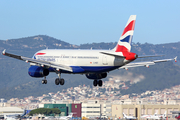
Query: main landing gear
x: 97, y: 82
x: 59, y: 80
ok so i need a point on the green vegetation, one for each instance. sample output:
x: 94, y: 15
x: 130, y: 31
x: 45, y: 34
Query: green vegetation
x: 45, y: 111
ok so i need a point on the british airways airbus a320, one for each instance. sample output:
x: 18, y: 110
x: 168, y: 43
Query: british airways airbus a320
x: 95, y: 64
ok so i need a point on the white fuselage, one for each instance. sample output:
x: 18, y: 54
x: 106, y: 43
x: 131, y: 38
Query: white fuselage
x: 89, y: 60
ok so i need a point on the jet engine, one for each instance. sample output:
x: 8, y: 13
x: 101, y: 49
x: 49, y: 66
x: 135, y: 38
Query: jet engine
x: 36, y: 71
x: 96, y: 76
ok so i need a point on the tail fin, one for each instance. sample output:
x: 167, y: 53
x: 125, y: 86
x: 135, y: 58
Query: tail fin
x: 5, y: 117
x: 164, y: 115
x: 124, y: 115
x: 70, y: 115
x: 24, y: 113
x: 155, y: 114
x: 124, y: 43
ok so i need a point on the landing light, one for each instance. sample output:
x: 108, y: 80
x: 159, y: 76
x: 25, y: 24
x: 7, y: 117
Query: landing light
x: 147, y: 66
x: 126, y: 68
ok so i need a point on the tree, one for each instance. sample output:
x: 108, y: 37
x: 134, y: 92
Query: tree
x: 45, y: 111
x: 56, y: 111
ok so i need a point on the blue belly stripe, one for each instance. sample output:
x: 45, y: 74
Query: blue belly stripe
x: 97, y: 68
x: 88, y: 69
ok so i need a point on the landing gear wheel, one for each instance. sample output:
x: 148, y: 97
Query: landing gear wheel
x: 45, y: 81
x: 61, y: 81
x: 42, y: 81
x: 57, y: 81
x: 95, y: 82
x: 100, y: 83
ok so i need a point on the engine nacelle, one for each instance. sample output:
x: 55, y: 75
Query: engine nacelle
x: 36, y: 71
x: 96, y: 76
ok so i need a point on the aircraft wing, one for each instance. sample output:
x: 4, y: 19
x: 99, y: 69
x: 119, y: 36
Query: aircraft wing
x: 40, y: 62
x: 146, y: 63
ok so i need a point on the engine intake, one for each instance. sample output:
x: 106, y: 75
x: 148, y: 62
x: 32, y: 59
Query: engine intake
x: 36, y: 71
x: 96, y: 76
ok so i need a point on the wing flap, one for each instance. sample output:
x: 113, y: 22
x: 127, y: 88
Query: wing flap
x: 40, y: 62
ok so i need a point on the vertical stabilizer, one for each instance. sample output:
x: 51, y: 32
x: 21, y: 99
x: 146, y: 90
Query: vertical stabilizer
x: 70, y: 115
x: 124, y: 115
x: 164, y: 115
x: 124, y: 43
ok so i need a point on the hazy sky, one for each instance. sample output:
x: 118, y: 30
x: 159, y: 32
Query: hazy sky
x: 88, y: 21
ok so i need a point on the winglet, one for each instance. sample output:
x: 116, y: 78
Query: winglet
x: 175, y: 59
x: 4, y: 51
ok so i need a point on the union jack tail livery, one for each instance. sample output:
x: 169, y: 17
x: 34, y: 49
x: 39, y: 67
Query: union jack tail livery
x: 124, y: 43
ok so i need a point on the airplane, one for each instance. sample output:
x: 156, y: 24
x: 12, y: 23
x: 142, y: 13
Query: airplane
x: 66, y: 117
x: 148, y: 116
x: 95, y: 64
x: 128, y: 117
x: 155, y: 116
x: 14, y: 116
x: 178, y: 117
x: 9, y: 118
x: 163, y: 116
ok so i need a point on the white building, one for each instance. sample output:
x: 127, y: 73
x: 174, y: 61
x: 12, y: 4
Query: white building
x: 11, y: 110
x: 91, y: 109
x: 108, y: 108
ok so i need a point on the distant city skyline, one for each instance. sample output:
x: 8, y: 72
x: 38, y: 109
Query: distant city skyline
x: 78, y: 22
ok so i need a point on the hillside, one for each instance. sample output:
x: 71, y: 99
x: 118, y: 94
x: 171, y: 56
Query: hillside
x: 15, y: 81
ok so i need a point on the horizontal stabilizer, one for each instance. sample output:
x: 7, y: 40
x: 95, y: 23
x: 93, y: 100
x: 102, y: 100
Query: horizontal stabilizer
x: 146, y: 63
x: 146, y: 56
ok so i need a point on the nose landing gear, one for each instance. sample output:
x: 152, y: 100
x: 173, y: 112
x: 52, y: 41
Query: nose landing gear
x: 44, y: 81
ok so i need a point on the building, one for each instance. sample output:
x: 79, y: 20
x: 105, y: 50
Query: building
x: 65, y: 109
x: 138, y: 110
x: 91, y: 109
x: 76, y: 109
x: 11, y: 110
x: 108, y: 109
